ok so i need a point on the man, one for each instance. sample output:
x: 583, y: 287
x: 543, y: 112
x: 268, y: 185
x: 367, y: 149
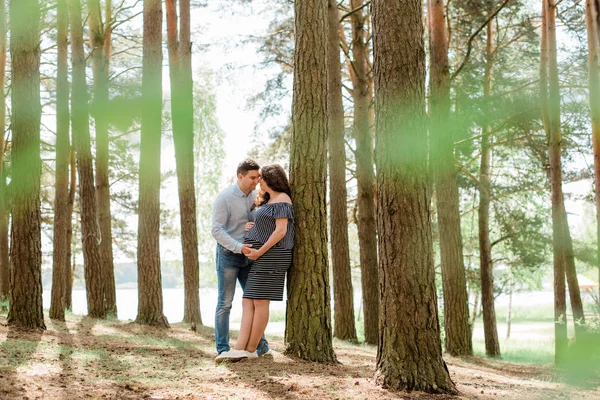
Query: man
x: 231, y: 212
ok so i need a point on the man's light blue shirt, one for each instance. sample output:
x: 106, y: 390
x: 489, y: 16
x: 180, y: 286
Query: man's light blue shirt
x: 231, y: 212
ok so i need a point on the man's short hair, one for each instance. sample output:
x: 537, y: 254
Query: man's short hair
x: 247, y: 165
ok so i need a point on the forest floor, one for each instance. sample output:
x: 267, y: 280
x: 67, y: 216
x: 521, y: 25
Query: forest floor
x: 90, y: 359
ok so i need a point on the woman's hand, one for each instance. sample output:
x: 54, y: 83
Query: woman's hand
x: 254, y: 254
x: 249, y: 226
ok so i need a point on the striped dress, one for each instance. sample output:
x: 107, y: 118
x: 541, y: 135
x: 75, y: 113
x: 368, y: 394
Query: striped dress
x: 267, y: 274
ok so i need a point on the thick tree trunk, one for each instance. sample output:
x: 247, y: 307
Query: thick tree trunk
x: 559, y: 214
x: 94, y: 282
x: 60, y: 258
x: 4, y: 259
x: 456, y: 303
x: 70, y: 268
x: 560, y: 306
x: 100, y: 45
x: 365, y: 176
x: 492, y: 345
x: 182, y: 111
x: 150, y: 300
x: 409, y: 354
x: 592, y: 15
x: 343, y: 294
x: 308, y: 328
x: 26, y: 246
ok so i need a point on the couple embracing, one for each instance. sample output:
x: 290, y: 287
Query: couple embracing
x: 255, y: 236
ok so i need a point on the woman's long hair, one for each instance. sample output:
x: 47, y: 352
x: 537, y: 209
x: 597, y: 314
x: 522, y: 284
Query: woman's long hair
x: 275, y: 177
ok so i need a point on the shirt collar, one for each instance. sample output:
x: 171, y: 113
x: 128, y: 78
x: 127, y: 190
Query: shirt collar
x: 237, y: 190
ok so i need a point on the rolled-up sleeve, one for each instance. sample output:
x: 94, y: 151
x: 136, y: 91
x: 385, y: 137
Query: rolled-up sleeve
x: 219, y: 224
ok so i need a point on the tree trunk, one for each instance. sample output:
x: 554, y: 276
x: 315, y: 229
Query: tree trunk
x: 490, y: 330
x: 26, y: 246
x: 475, y: 311
x: 308, y: 320
x: 409, y: 354
x: 549, y: 122
x: 182, y: 111
x: 150, y: 300
x: 4, y: 259
x: 100, y: 45
x: 367, y: 229
x: 592, y: 22
x: 456, y: 303
x: 559, y: 219
x: 60, y: 258
x: 94, y: 282
x: 70, y: 268
x: 511, y: 288
x: 343, y: 294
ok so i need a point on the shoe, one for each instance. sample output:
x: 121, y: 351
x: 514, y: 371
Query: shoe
x: 269, y: 353
x: 232, y: 355
x: 252, y: 354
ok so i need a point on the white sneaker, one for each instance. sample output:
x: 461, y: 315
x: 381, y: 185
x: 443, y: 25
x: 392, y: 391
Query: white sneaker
x: 232, y: 355
x: 253, y: 354
x: 270, y: 353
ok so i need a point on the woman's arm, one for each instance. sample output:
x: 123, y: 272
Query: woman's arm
x: 276, y: 236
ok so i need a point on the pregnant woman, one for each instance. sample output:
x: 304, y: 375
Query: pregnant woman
x: 272, y: 238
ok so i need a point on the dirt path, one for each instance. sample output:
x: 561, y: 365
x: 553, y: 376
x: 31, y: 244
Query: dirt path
x: 88, y: 359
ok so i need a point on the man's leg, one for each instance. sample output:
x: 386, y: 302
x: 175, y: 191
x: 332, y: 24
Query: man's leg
x: 263, y: 345
x: 226, y: 277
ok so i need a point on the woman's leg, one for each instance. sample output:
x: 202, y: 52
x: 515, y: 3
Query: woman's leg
x: 246, y: 325
x: 259, y: 324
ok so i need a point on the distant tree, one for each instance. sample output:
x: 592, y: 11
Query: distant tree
x: 94, y: 283
x: 456, y: 303
x: 62, y: 216
x: 182, y: 112
x: 360, y: 75
x: 308, y: 323
x: 492, y: 345
x: 150, y: 300
x: 4, y: 260
x: 100, y: 43
x: 409, y: 354
x: 343, y: 294
x: 26, y: 247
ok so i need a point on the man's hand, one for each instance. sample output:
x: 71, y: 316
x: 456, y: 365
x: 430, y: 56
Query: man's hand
x: 249, y: 226
x: 254, y: 254
x: 246, y: 249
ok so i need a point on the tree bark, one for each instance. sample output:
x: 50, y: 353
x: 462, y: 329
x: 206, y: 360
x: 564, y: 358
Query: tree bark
x: 409, y: 354
x: 343, y: 294
x: 4, y: 259
x: 182, y: 111
x: 559, y: 220
x: 60, y: 258
x: 150, y: 300
x: 456, y: 303
x: 26, y: 250
x: 308, y: 320
x: 592, y: 22
x: 70, y: 267
x: 560, y: 303
x: 365, y: 176
x: 94, y: 282
x: 490, y: 329
x: 101, y: 46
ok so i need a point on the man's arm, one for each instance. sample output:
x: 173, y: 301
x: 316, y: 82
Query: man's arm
x: 219, y: 224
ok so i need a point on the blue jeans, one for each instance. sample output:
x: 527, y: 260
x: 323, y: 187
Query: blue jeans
x: 231, y: 267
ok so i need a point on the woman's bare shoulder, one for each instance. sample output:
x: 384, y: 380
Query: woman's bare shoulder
x: 282, y: 198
